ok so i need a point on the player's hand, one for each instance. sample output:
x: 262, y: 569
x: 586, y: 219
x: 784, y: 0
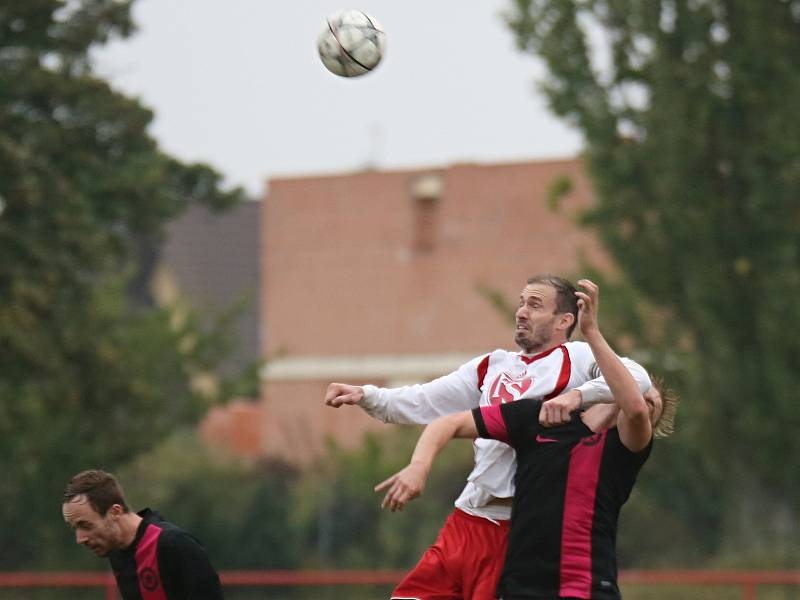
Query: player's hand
x: 588, y: 303
x: 343, y: 393
x: 403, y: 487
x: 557, y: 410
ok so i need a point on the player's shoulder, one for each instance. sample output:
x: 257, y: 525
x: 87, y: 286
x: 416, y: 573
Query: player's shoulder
x: 525, y: 406
x: 492, y: 358
x: 578, y: 345
x: 579, y: 349
x: 174, y: 537
x: 500, y: 353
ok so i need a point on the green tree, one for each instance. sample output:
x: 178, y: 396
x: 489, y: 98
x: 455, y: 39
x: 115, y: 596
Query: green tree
x: 239, y: 509
x: 688, y: 109
x: 87, y: 377
x: 338, y: 514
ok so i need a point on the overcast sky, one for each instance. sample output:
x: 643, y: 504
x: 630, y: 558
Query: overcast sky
x: 239, y: 84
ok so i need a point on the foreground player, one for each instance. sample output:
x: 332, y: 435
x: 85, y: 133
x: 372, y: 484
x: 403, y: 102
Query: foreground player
x: 151, y: 558
x: 466, y: 559
x: 571, y: 481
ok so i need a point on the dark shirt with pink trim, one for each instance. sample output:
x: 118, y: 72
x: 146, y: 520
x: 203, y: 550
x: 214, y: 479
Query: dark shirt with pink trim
x: 164, y: 562
x: 570, y: 485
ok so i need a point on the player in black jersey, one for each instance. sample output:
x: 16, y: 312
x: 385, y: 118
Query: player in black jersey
x: 151, y: 558
x: 571, y: 481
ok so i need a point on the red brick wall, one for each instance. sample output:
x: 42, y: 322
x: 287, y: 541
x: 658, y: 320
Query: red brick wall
x: 340, y: 275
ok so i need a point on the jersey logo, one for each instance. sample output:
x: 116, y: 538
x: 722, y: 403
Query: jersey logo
x: 506, y: 389
x: 544, y: 440
x: 148, y: 578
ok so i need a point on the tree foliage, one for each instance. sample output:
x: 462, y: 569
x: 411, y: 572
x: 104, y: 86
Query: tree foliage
x: 338, y: 516
x: 88, y: 377
x: 239, y: 509
x: 688, y: 109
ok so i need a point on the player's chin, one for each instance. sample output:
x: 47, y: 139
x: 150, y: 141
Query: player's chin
x: 99, y: 552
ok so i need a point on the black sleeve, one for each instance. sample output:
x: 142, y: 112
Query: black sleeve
x: 514, y: 423
x: 186, y: 570
x: 637, y: 459
x: 480, y: 424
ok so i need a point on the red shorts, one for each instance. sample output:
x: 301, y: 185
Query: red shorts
x: 463, y: 564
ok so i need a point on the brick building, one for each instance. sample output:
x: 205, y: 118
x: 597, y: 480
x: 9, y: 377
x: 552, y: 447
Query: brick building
x: 375, y: 276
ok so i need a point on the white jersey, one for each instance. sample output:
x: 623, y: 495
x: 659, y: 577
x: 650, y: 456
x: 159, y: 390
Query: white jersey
x: 495, y: 378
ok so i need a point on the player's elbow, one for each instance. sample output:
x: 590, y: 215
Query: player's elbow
x: 637, y: 431
x: 638, y: 415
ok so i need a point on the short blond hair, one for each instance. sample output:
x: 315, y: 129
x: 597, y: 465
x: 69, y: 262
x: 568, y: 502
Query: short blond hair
x: 665, y: 426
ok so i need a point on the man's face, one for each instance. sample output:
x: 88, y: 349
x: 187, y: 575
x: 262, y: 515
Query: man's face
x: 537, y: 318
x: 99, y: 533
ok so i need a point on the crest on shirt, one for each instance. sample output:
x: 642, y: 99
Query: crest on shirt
x: 506, y: 388
x: 149, y: 579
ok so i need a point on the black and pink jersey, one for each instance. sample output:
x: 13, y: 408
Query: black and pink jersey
x: 164, y: 563
x: 570, y: 485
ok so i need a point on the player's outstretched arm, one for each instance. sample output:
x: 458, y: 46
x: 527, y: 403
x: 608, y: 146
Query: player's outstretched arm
x: 417, y: 404
x: 338, y: 394
x: 634, y: 425
x: 407, y: 484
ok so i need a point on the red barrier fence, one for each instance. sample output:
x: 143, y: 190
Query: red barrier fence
x: 747, y: 581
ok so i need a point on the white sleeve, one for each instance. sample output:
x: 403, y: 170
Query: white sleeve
x: 596, y: 391
x: 422, y: 403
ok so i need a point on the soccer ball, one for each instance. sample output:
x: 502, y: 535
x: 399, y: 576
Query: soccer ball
x: 351, y: 43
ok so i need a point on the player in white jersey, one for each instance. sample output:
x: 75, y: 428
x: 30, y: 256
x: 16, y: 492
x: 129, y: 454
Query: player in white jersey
x: 465, y: 561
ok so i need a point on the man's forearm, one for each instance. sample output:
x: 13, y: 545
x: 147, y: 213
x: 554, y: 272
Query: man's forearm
x: 623, y: 387
x: 433, y: 439
x: 420, y: 404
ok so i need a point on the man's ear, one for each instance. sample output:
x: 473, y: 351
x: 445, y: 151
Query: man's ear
x: 116, y: 510
x: 565, y: 321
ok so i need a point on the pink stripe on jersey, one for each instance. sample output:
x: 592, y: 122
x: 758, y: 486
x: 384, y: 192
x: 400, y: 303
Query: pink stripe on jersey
x: 576, y: 527
x: 150, y: 585
x: 563, y: 376
x: 483, y: 367
x: 495, y: 425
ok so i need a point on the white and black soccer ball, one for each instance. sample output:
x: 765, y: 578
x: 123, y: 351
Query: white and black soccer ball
x: 351, y: 43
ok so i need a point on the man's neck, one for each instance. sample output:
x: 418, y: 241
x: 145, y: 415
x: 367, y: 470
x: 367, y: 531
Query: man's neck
x: 543, y: 348
x: 130, y: 525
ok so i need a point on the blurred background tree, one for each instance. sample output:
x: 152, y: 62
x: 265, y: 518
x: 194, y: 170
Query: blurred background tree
x: 240, y: 509
x: 692, y: 133
x: 338, y: 516
x: 93, y: 373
